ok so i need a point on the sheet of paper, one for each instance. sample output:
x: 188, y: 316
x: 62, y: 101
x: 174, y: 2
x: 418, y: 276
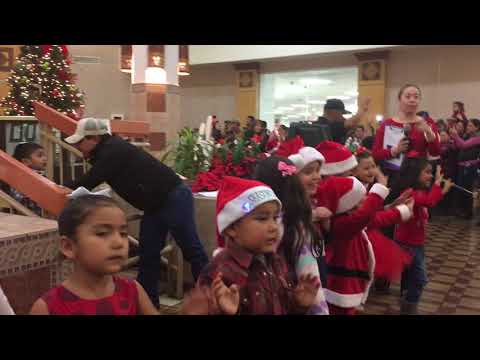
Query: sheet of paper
x: 392, y: 137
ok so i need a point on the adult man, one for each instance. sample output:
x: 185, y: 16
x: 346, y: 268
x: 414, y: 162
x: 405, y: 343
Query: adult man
x: 333, y: 112
x: 148, y: 185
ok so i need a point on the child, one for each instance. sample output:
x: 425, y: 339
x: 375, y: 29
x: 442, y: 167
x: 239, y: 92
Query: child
x: 390, y: 258
x: 248, y: 277
x: 350, y: 257
x: 33, y: 156
x: 354, y: 141
x: 5, y: 308
x: 94, y: 236
x: 416, y: 173
x: 301, y: 243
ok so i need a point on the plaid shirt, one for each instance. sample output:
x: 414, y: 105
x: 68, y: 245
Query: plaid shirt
x: 263, y: 280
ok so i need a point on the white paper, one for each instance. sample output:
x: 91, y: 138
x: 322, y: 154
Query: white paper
x: 391, y: 138
x: 81, y: 191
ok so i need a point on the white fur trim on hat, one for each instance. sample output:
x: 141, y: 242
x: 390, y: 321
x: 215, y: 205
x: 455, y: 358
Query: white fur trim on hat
x: 380, y: 190
x: 339, y: 167
x: 305, y: 156
x: 405, y: 213
x: 351, y: 199
x: 343, y: 300
x: 243, y: 204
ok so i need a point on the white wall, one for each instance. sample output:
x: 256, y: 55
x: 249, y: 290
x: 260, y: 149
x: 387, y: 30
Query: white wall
x: 107, y: 89
x: 444, y: 74
x: 208, y: 54
x: 210, y: 90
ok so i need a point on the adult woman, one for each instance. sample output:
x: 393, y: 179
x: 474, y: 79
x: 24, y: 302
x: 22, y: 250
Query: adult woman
x: 405, y: 132
x: 468, y: 162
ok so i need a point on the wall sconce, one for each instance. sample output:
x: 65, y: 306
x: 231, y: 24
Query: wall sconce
x: 156, y: 56
x: 126, y: 58
x: 183, y: 61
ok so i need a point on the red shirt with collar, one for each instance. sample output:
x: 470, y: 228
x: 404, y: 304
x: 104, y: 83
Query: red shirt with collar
x: 418, y: 143
x: 412, y: 232
x: 265, y: 285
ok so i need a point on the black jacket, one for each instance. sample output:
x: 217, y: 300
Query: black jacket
x: 132, y: 173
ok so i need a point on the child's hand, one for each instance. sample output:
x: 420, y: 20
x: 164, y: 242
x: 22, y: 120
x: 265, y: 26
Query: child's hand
x: 228, y: 299
x: 379, y: 177
x: 410, y: 204
x: 403, y: 198
x: 321, y: 213
x: 306, y: 290
x: 438, y: 175
x: 447, y: 185
x: 196, y: 302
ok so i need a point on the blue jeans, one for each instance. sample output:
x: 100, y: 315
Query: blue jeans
x: 176, y: 217
x: 415, y: 276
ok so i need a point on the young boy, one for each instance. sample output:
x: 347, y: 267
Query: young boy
x: 33, y: 156
x: 248, y: 278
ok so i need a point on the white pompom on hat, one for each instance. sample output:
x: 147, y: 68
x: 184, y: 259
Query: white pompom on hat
x: 305, y: 156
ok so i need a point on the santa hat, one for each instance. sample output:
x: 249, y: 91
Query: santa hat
x: 238, y: 197
x: 344, y: 193
x: 305, y: 156
x: 290, y: 146
x: 338, y: 158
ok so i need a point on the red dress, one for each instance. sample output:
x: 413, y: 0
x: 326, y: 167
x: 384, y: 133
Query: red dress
x: 124, y: 301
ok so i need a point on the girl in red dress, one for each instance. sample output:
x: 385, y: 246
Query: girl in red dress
x: 93, y: 234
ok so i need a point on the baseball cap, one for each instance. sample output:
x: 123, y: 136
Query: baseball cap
x: 336, y: 104
x: 89, y: 126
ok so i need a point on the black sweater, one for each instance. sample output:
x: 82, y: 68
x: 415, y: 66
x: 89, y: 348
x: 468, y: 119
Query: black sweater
x: 132, y: 173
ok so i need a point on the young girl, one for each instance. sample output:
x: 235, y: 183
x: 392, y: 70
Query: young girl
x: 416, y: 173
x: 350, y: 257
x: 301, y: 242
x: 391, y: 259
x: 309, y: 162
x: 94, y: 236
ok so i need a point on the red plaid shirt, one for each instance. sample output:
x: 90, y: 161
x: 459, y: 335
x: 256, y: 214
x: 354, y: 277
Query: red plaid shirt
x: 263, y: 280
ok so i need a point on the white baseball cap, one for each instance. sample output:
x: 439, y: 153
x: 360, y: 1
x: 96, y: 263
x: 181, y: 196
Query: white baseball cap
x: 89, y: 127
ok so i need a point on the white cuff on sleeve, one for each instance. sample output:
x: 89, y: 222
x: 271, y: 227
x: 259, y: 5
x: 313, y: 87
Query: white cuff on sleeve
x: 380, y: 190
x: 404, y: 212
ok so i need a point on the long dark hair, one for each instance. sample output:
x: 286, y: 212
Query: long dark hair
x: 297, y: 210
x: 408, y: 176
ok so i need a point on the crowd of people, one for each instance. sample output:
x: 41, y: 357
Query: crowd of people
x: 309, y: 232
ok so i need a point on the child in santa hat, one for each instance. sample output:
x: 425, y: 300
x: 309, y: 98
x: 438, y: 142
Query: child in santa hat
x: 248, y: 277
x: 391, y: 259
x: 416, y: 173
x: 308, y: 162
x: 350, y: 255
x: 301, y: 242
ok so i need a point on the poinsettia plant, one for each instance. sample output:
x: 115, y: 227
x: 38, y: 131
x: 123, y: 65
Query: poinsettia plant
x: 236, y: 159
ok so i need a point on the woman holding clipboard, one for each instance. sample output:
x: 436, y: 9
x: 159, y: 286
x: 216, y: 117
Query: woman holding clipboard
x: 405, y: 132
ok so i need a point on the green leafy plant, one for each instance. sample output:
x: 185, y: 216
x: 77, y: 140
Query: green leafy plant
x: 190, y: 154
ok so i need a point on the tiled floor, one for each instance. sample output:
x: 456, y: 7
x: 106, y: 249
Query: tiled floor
x: 453, y: 263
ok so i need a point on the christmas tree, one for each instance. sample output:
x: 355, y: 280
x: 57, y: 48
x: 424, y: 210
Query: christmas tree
x: 43, y: 73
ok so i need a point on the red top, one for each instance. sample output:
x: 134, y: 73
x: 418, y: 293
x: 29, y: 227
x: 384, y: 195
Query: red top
x: 417, y: 140
x: 124, y: 301
x: 412, y: 232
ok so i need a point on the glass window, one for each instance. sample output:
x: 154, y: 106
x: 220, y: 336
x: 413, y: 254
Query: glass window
x: 300, y: 96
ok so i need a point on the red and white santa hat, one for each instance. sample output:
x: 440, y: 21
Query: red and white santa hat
x: 305, y: 156
x: 238, y: 197
x: 338, y: 158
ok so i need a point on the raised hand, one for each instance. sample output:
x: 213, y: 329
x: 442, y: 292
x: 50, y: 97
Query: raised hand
x: 403, y: 198
x: 363, y: 105
x: 227, y: 298
x: 321, y: 213
x: 410, y: 204
x: 306, y: 290
x: 438, y: 175
x: 447, y: 185
x: 380, y: 177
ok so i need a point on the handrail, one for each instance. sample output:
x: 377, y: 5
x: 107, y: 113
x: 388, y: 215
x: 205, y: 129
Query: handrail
x: 16, y: 205
x: 46, y: 194
x: 46, y: 115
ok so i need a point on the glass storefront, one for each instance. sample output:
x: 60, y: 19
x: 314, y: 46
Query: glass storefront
x: 300, y: 96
